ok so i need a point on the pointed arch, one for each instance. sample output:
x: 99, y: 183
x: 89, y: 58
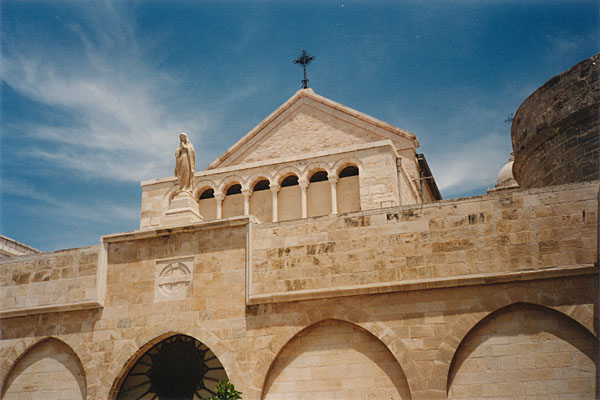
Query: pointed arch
x: 551, y: 346
x: 51, y: 359
x: 501, y: 298
x: 335, y: 357
x: 346, y: 314
x: 148, y: 337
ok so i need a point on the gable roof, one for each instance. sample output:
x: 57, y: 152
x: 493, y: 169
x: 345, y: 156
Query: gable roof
x: 307, y: 97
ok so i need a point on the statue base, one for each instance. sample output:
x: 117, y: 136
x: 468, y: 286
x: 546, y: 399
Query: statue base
x: 183, y: 210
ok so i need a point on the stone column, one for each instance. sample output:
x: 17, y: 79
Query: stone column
x: 275, y: 190
x: 303, y: 183
x: 333, y: 181
x: 246, y: 194
x: 219, y: 198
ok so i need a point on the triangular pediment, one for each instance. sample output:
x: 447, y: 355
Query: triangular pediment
x: 308, y: 123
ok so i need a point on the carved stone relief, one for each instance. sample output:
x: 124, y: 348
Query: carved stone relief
x: 173, y: 279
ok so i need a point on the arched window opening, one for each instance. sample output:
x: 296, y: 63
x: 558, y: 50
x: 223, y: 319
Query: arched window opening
x: 348, y: 190
x: 179, y: 367
x: 350, y: 170
x: 289, y: 199
x: 318, y: 176
x: 261, y: 201
x: 207, y: 194
x: 318, y: 195
x: 291, y: 180
x: 234, y: 189
x: 261, y: 185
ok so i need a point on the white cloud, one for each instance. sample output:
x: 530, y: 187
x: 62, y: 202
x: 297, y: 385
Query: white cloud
x: 122, y: 125
x: 468, y: 166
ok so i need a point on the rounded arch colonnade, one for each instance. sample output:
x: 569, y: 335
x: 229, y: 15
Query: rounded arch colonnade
x: 288, y: 193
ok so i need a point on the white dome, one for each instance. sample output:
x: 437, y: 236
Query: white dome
x: 505, y: 177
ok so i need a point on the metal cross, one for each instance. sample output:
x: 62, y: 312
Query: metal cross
x: 304, y: 59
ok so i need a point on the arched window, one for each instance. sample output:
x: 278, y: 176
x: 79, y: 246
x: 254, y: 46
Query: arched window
x: 348, y: 190
x: 179, y: 367
x: 318, y: 195
x: 234, y: 189
x: 289, y: 203
x: 207, y: 194
x: 263, y: 184
x: 291, y: 180
x: 207, y: 204
x: 261, y: 201
x: 318, y: 176
x: 350, y: 170
x: 233, y: 204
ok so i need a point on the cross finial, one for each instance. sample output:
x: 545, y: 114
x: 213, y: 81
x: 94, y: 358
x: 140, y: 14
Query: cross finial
x: 304, y: 59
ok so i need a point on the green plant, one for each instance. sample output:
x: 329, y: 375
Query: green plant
x: 226, y: 391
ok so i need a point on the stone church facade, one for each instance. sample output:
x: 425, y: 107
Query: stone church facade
x: 317, y: 260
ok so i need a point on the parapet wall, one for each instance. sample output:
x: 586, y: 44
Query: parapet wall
x: 57, y: 281
x: 512, y: 235
x: 556, y: 131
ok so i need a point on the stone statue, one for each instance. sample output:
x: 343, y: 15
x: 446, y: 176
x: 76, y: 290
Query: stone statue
x: 185, y: 164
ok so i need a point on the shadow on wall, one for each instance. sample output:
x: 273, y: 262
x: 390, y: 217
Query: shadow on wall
x: 335, y: 359
x: 48, y: 370
x: 524, y: 349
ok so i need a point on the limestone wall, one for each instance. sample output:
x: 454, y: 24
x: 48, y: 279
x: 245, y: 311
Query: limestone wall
x: 49, y: 371
x: 525, y: 352
x: 430, y: 334
x: 556, y: 131
x: 501, y: 233
x: 308, y: 367
x: 50, y: 281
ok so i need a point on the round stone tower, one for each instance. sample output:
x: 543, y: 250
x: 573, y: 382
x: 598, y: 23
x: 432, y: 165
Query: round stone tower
x: 555, y: 133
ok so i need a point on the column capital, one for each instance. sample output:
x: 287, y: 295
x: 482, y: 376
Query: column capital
x: 246, y: 192
x: 303, y: 183
x: 333, y: 179
x: 275, y: 188
x: 219, y: 196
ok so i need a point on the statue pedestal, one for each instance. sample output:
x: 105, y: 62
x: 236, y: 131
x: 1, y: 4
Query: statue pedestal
x: 183, y: 210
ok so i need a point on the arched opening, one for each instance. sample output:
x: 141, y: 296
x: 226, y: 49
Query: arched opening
x: 178, y: 367
x: 233, y: 203
x: 207, y: 204
x: 291, y: 180
x: 318, y: 176
x: 524, y: 350
x: 207, y: 194
x: 350, y: 170
x: 318, y: 194
x: 49, y: 370
x: 263, y: 184
x: 334, y: 359
x: 289, y: 200
x: 234, y: 189
x: 261, y: 201
x: 348, y: 190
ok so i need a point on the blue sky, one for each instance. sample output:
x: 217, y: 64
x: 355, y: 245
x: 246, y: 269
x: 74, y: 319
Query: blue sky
x: 94, y: 94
